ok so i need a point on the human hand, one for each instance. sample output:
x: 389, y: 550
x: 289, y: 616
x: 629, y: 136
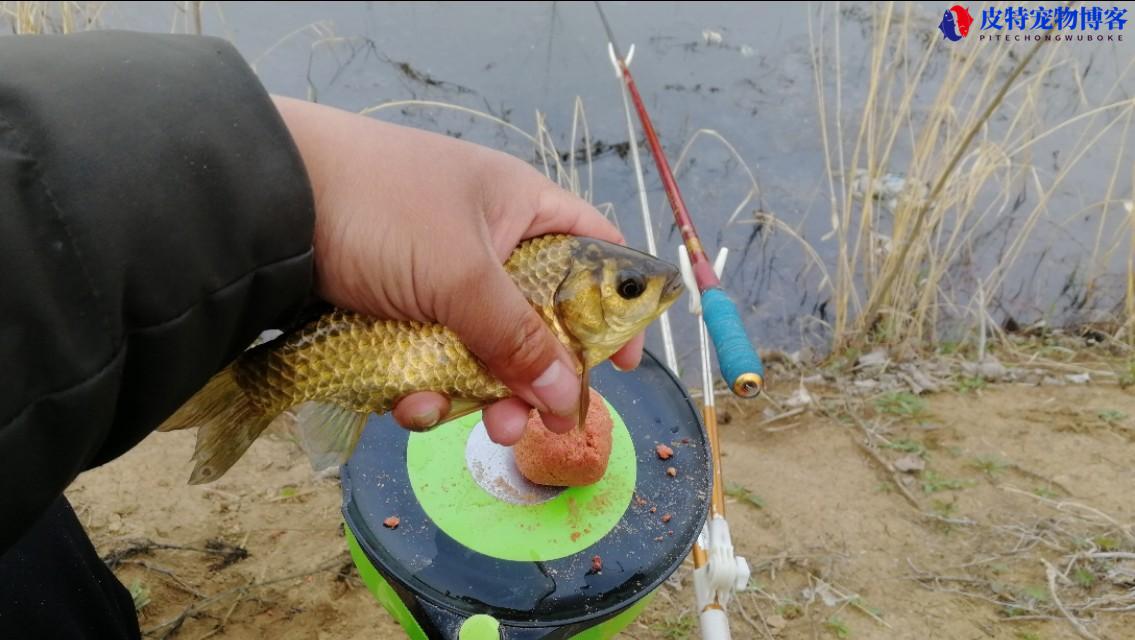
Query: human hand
x: 412, y: 225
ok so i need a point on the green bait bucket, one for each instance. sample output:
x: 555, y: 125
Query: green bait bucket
x: 479, y: 553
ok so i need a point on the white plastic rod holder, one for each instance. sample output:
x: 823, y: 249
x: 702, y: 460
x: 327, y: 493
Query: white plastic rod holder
x: 688, y: 274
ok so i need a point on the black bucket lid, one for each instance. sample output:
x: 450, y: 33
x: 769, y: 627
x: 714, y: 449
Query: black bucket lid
x: 452, y: 579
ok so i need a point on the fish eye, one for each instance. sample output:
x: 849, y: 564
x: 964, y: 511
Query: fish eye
x: 631, y: 285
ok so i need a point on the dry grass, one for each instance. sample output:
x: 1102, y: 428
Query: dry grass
x: 560, y: 166
x: 26, y: 18
x: 1076, y: 564
x: 50, y: 17
x: 961, y: 126
x: 965, y: 157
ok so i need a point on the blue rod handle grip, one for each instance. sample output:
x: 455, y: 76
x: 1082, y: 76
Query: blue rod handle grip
x: 739, y: 362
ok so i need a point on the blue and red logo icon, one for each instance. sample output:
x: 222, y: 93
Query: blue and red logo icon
x: 955, y: 23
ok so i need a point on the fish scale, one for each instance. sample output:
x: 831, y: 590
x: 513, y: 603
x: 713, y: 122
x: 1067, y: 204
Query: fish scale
x: 334, y: 371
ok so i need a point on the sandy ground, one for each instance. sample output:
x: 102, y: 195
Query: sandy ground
x: 1014, y: 476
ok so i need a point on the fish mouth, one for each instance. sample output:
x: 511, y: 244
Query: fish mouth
x: 673, y: 287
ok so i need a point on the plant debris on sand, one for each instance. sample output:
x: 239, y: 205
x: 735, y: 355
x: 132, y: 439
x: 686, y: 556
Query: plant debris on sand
x: 1029, y: 528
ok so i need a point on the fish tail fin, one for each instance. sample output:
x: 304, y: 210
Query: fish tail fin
x: 227, y: 422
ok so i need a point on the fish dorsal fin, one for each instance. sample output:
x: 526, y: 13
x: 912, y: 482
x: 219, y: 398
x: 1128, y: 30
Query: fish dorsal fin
x: 327, y: 432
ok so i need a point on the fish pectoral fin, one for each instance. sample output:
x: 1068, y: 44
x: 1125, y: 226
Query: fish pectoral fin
x: 584, y: 392
x: 460, y: 407
x: 327, y: 432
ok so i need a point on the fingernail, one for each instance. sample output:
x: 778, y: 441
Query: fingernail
x: 558, y: 389
x: 558, y: 424
x: 425, y: 420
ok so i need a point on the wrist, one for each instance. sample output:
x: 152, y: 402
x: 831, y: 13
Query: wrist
x: 300, y: 119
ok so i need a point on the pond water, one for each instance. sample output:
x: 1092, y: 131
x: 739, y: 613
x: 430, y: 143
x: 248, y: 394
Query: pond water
x: 742, y: 70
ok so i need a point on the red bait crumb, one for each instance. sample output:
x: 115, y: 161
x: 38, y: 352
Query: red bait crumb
x: 392, y: 522
x: 664, y: 452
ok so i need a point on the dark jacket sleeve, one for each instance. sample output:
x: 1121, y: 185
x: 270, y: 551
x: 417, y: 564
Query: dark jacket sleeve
x: 155, y: 215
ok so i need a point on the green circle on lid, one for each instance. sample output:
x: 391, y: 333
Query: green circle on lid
x: 480, y: 627
x: 568, y: 523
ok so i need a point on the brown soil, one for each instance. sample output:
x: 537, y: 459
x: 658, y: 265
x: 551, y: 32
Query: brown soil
x: 831, y: 523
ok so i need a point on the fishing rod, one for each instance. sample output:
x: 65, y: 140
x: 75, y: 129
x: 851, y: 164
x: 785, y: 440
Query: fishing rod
x: 718, y: 572
x: 738, y: 360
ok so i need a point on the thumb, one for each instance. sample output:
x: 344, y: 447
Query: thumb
x: 502, y: 329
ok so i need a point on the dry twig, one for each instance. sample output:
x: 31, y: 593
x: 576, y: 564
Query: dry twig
x: 1050, y: 573
x: 169, y: 627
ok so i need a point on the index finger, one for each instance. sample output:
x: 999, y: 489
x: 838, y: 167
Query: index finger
x: 560, y: 211
x: 628, y: 357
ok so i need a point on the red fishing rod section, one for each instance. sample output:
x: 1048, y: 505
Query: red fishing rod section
x: 702, y: 267
x: 739, y: 362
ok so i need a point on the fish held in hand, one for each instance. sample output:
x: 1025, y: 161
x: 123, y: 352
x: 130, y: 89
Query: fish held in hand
x: 333, y: 372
